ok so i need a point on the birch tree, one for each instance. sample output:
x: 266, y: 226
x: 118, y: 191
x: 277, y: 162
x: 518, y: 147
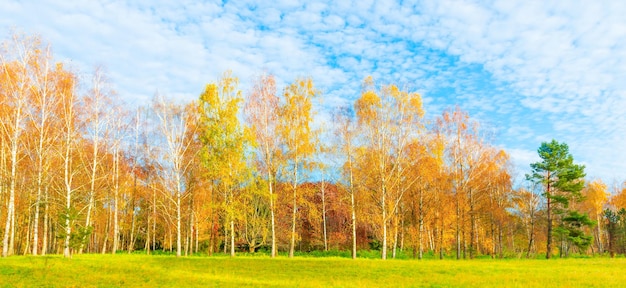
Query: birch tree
x: 261, y: 109
x: 294, y: 127
x: 69, y: 117
x: 16, y: 56
x: 97, y: 104
x: 345, y: 130
x: 44, y: 108
x: 224, y: 142
x: 176, y: 125
x: 388, y: 118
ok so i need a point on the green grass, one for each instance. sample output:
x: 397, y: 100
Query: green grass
x: 220, y: 271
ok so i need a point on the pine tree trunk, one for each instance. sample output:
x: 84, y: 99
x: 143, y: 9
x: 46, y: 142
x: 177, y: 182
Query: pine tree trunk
x: 549, y: 212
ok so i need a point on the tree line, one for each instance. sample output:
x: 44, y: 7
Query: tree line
x: 235, y: 171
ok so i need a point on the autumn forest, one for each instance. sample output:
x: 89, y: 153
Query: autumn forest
x: 246, y: 170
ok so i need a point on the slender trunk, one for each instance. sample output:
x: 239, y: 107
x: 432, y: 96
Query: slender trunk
x: 324, y: 213
x: 186, y: 245
x: 441, y: 239
x: 599, y: 233
x: 458, y: 226
x: 106, y: 231
x: 494, y: 246
x: 395, y: 235
x: 7, y: 248
x: 272, y: 208
x: 292, y: 244
x: 44, y: 241
x: 12, y: 238
x: 402, y: 234
x: 464, y: 238
x: 26, y: 240
x: 116, y: 191
x: 232, y: 238
x: 131, y: 243
x: 154, y: 219
x: 35, y: 250
x: 500, y: 240
x: 549, y: 212
x: 352, y: 202
x: 531, y: 233
x: 197, y: 233
x: 421, y: 225
x: 68, y: 196
x: 472, y: 243
x: 178, y: 227
x: 92, y: 187
x: 353, y: 208
x: 226, y: 232
x: 191, y: 231
x: 384, y: 222
x: 147, y: 245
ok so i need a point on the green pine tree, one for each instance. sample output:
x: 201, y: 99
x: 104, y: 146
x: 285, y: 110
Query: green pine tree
x: 563, y: 182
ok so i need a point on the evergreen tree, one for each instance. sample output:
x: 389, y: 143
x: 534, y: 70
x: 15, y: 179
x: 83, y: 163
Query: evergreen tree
x: 562, y: 180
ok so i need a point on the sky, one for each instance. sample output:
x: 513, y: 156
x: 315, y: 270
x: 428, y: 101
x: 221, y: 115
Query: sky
x: 529, y: 71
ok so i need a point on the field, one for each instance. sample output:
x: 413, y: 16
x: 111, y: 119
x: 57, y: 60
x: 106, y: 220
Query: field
x: 168, y: 271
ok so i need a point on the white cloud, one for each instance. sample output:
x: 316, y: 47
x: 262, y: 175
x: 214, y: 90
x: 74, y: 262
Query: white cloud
x: 534, y: 70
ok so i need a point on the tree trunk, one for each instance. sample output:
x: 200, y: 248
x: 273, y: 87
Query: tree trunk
x: 531, y: 235
x: 395, y: 235
x: 178, y: 226
x: 458, y: 226
x: 7, y: 248
x: 421, y: 225
x: 44, y: 241
x: 472, y: 243
x: 154, y: 219
x: 295, y: 209
x: 352, y: 203
x: 106, y: 232
x: 292, y: 243
x: 35, y: 247
x: 232, y: 238
x: 549, y: 212
x: 324, y: 213
x: 116, y: 188
x: 384, y: 221
x: 131, y: 243
x: 271, y: 190
x: 68, y: 195
x: 441, y: 239
x: 599, y: 233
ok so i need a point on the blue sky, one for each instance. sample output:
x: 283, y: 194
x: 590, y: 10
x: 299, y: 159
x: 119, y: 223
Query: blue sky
x: 530, y: 71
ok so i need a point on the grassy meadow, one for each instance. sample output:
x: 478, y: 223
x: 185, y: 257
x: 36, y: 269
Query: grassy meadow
x: 221, y: 271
